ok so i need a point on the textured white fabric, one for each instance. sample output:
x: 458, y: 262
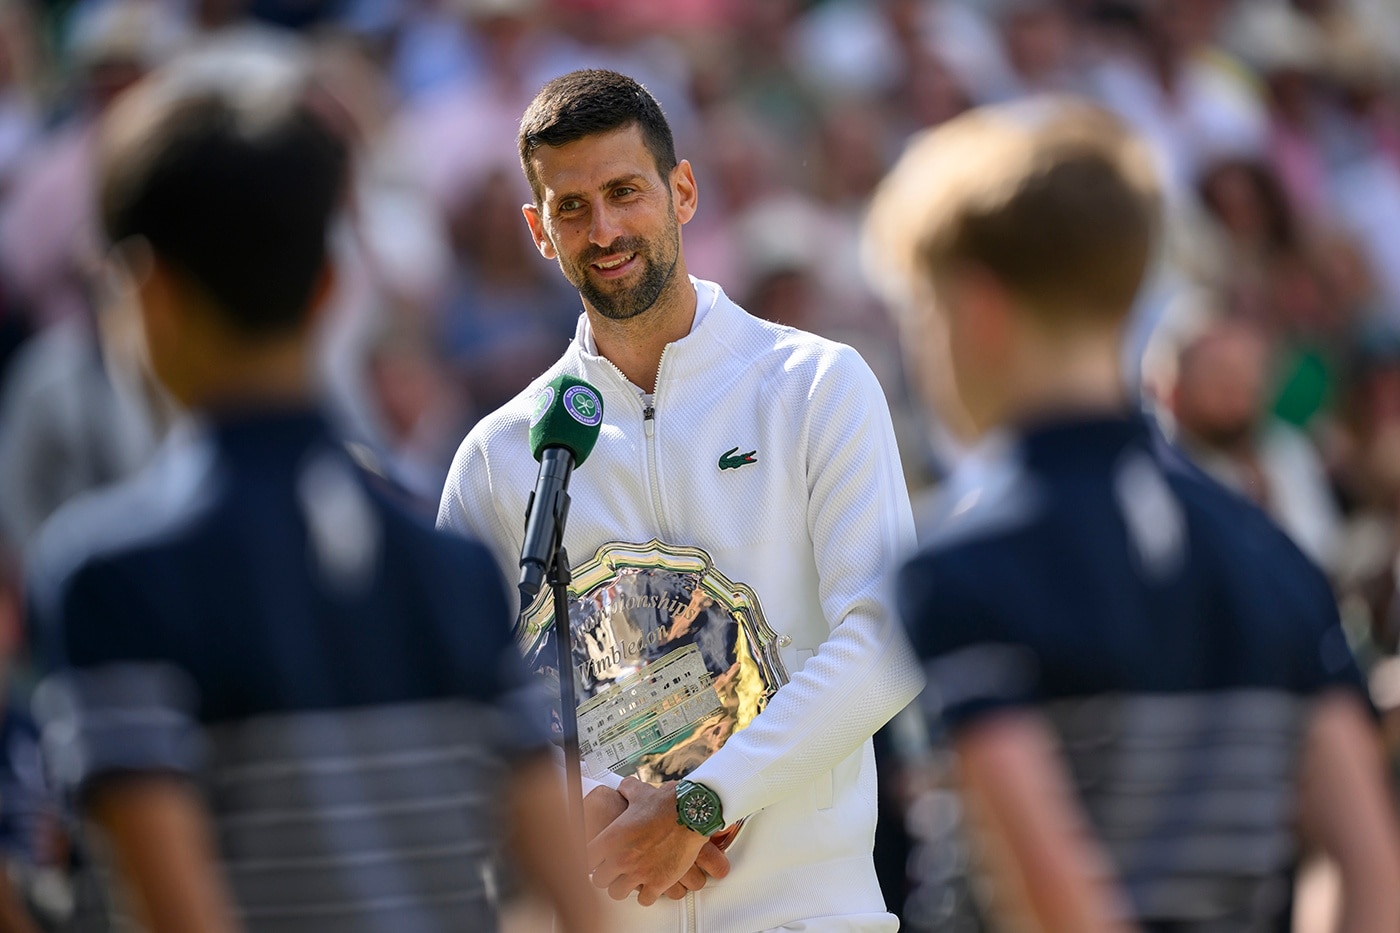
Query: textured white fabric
x: 814, y: 526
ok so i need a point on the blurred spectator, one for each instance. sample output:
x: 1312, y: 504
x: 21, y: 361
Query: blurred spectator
x: 20, y: 109
x: 391, y: 242
x: 1368, y: 476
x: 420, y: 411
x: 48, y: 240
x: 1173, y: 85
x: 929, y: 93
x: 504, y: 315
x: 1255, y: 234
x: 1289, y: 54
x: 459, y: 127
x: 1041, y: 48
x: 1216, y: 388
x: 78, y: 411
x: 1302, y: 287
x: 741, y: 166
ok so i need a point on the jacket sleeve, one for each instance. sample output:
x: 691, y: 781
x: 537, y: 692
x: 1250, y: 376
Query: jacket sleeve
x: 861, y: 527
x: 468, y: 507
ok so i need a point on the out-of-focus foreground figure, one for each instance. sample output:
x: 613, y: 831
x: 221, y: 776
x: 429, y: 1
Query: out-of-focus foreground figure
x: 281, y: 700
x: 1144, y: 679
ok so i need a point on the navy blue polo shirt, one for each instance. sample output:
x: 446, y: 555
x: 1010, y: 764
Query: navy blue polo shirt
x: 26, y: 805
x: 1171, y: 634
x: 337, y: 676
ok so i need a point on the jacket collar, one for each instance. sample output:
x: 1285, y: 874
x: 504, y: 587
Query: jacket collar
x: 715, y: 314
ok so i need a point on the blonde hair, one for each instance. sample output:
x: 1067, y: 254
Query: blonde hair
x: 1052, y: 196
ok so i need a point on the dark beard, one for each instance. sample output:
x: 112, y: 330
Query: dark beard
x: 622, y: 305
x: 1229, y: 438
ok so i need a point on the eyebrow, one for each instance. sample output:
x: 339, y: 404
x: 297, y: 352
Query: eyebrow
x: 621, y: 180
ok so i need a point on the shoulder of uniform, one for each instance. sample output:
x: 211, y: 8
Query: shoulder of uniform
x: 155, y: 504
x: 992, y: 495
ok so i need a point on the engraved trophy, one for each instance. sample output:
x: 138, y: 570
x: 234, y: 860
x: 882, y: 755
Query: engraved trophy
x: 670, y: 658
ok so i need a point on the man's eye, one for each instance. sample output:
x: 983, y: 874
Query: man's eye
x: 570, y: 204
x: 623, y: 191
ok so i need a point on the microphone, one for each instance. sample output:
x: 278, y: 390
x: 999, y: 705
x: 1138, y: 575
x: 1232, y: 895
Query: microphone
x: 563, y: 429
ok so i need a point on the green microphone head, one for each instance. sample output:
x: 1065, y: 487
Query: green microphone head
x: 567, y: 413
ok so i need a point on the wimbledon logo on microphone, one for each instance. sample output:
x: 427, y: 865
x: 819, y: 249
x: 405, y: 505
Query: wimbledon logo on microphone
x: 583, y: 406
x: 542, y: 403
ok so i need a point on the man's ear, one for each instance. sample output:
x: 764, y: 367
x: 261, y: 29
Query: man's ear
x: 683, y: 191
x: 158, y: 294
x: 167, y: 324
x: 535, y: 221
x: 321, y: 292
x: 985, y: 308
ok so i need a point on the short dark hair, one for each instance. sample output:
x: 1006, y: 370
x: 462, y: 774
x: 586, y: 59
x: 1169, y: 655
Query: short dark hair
x: 233, y: 183
x: 584, y: 103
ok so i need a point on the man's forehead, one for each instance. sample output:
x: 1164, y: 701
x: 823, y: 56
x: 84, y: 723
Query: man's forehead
x: 588, y: 163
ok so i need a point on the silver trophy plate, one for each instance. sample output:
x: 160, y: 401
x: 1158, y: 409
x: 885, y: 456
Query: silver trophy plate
x: 670, y: 658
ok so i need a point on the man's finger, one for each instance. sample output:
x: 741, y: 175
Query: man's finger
x: 622, y: 887
x: 597, y: 850
x: 693, y: 880
x: 677, y: 891
x: 712, y: 861
x: 600, y: 808
x: 604, y: 874
x: 631, y: 788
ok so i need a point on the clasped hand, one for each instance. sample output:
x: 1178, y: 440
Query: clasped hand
x: 637, y: 845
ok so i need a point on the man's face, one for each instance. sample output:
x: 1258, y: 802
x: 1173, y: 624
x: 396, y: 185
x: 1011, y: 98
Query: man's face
x: 1221, y: 386
x: 611, y: 220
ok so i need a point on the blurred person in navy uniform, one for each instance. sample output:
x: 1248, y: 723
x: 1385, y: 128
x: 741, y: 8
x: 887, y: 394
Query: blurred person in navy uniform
x: 29, y: 841
x: 281, y: 701
x: 1145, y: 681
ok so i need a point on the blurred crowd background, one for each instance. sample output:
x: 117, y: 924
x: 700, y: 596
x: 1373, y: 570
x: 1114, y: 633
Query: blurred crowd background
x: 1269, y: 337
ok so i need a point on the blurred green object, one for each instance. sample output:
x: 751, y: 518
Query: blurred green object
x: 1307, y: 387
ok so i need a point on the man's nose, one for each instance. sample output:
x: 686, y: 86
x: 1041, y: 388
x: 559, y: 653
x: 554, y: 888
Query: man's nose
x: 605, y: 227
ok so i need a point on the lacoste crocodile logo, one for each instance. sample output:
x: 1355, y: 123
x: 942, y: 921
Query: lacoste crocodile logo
x: 731, y: 459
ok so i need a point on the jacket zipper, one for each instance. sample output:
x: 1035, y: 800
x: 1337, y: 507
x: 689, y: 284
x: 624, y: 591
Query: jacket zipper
x: 690, y: 926
x: 649, y: 424
x: 649, y: 427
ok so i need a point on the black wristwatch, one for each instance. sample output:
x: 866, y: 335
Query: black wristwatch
x: 697, y: 808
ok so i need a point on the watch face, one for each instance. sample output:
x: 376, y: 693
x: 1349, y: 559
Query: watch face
x: 698, y: 808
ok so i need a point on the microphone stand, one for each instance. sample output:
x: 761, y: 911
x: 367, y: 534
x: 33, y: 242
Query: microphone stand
x: 559, y: 579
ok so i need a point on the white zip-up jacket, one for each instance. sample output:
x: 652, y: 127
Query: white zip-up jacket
x: 815, y: 526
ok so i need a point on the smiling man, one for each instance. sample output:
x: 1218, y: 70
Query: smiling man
x: 740, y: 508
